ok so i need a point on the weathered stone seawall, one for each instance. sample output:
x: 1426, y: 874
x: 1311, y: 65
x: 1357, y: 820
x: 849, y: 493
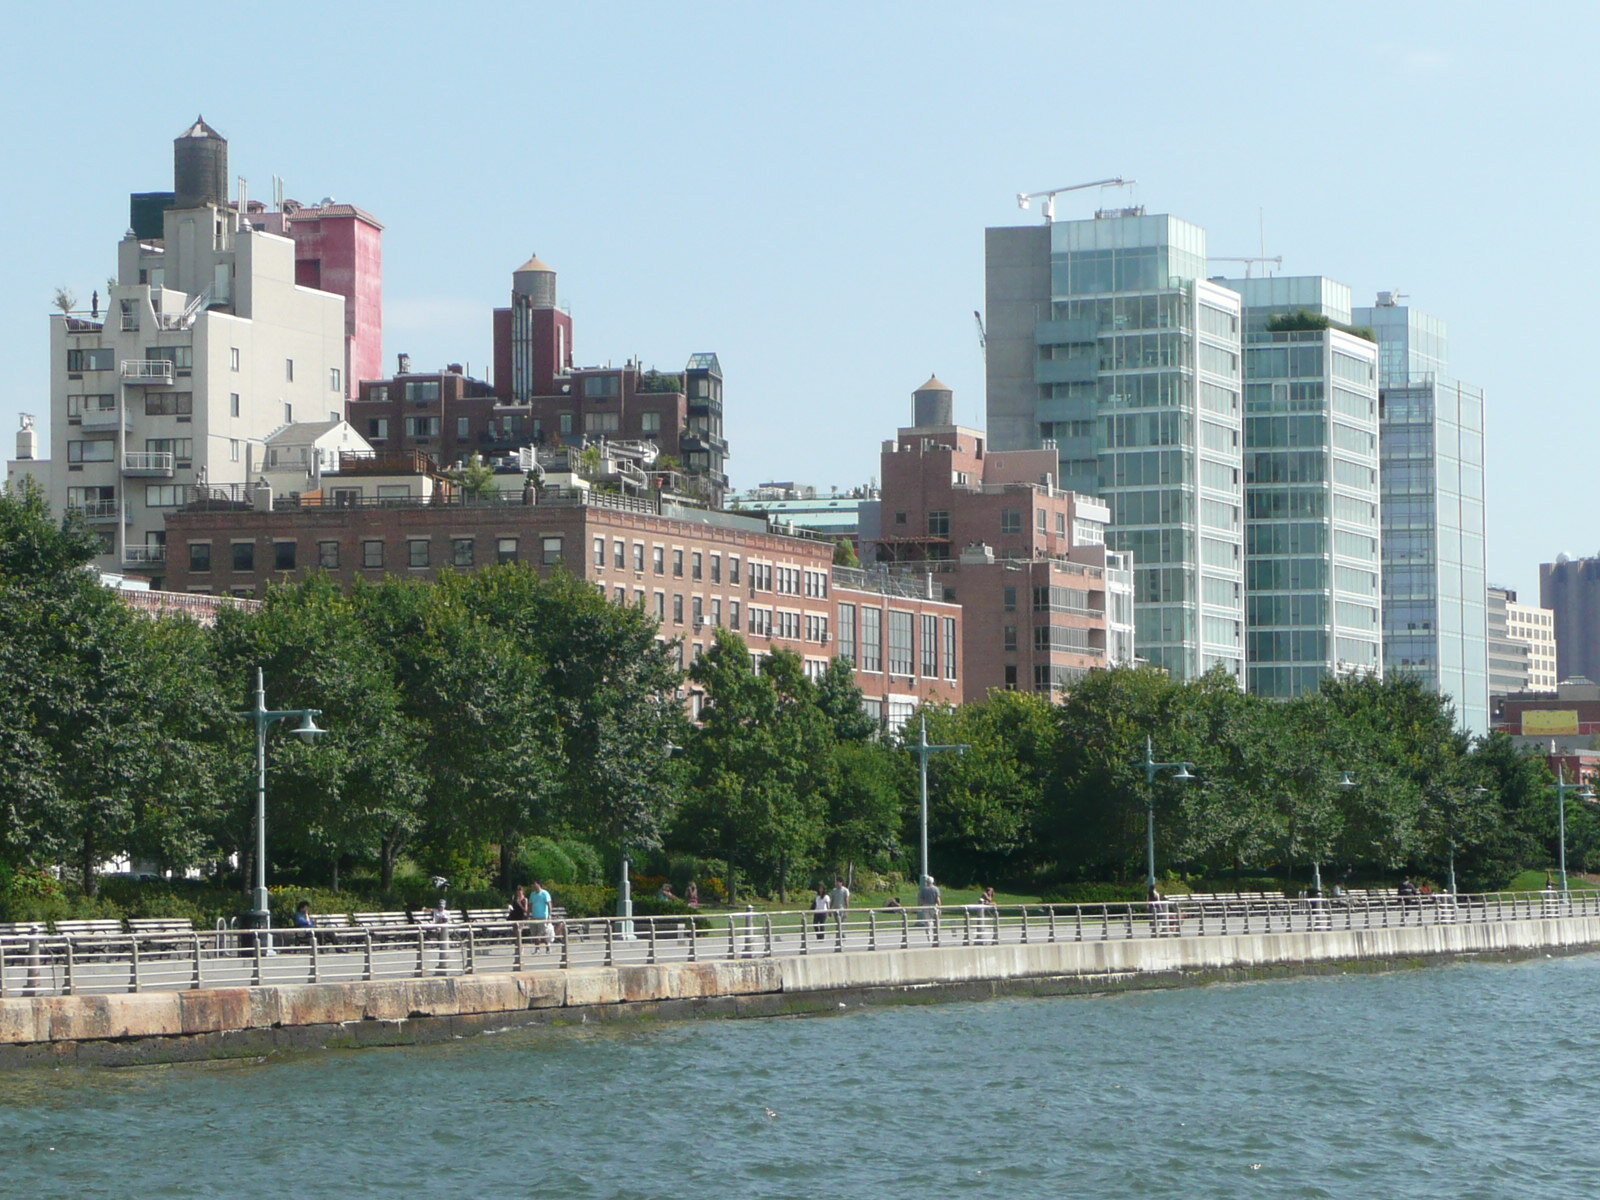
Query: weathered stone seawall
x: 230, y: 1022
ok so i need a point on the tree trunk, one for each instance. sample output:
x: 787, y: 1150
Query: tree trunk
x: 387, y: 853
x: 783, y: 879
x: 91, y: 885
x: 336, y: 872
x: 508, y: 851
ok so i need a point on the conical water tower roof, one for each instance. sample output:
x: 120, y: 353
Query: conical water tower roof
x: 201, y: 130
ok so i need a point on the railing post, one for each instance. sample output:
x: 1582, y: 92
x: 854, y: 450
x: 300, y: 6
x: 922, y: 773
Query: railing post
x: 316, y: 960
x: 470, y: 967
x: 565, y: 938
x: 195, y: 983
x: 516, y: 953
x: 966, y: 924
x: 694, y: 937
x: 71, y: 979
x: 133, y: 957
x: 905, y: 929
x: 769, y: 934
x: 366, y: 963
x: 805, y: 933
x: 611, y: 934
x: 1024, y: 925
x: 422, y: 951
x: 872, y: 929
x: 260, y: 936
x: 651, y: 957
x: 1050, y: 915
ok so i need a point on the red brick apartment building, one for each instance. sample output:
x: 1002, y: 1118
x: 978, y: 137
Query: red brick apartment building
x: 694, y: 570
x: 1043, y: 600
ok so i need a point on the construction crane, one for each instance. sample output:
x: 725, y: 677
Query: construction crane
x: 1049, y: 198
x: 1248, y: 261
x: 983, y: 337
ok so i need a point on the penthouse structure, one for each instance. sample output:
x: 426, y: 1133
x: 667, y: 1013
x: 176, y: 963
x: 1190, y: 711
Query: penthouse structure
x: 1044, y: 600
x: 207, y: 343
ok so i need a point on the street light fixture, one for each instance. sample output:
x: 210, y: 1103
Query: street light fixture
x: 625, y: 887
x: 1181, y: 774
x: 1346, y: 782
x: 308, y: 730
x: 923, y: 749
x: 1585, y: 793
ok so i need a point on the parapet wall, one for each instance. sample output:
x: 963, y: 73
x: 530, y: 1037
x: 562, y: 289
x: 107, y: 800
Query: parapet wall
x: 164, y: 1026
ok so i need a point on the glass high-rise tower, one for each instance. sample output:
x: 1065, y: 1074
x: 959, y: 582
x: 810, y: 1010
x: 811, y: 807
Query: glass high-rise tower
x: 1312, y: 531
x: 1431, y: 435
x: 1106, y: 341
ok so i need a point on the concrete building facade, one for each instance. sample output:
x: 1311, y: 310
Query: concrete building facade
x: 1508, y: 659
x: 1312, y: 528
x: 1431, y: 445
x: 1570, y: 589
x: 1107, y: 344
x: 1534, y: 627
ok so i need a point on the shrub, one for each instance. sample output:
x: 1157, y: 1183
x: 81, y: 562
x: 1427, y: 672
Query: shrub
x: 586, y: 861
x: 585, y: 900
x: 1094, y: 893
x: 544, y: 860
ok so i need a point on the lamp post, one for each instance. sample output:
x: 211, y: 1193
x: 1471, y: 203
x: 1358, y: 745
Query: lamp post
x: 1346, y: 782
x: 923, y: 749
x: 1478, y: 790
x: 1585, y: 793
x: 625, y: 885
x: 1151, y: 767
x: 265, y: 718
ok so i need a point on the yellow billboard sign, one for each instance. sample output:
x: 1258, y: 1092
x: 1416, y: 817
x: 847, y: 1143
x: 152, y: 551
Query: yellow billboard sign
x: 1544, y: 722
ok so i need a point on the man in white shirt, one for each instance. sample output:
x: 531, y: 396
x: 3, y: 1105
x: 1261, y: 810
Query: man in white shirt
x: 839, y: 903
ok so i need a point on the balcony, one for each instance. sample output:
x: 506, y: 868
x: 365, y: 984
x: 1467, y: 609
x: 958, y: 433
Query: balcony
x: 147, y: 464
x: 104, y: 419
x: 156, y: 371
x: 98, y: 510
x: 144, y: 556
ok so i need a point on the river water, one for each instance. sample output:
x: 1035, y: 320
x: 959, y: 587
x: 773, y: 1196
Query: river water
x: 1473, y: 1080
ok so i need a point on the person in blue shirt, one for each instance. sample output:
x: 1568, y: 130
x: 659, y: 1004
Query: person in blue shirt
x: 539, y: 905
x: 302, y: 916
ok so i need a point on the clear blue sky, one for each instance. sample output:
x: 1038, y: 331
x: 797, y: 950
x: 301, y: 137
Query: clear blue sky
x: 804, y: 189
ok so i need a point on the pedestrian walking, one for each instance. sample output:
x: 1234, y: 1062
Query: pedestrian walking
x: 519, y: 910
x: 928, y: 902
x: 539, y: 909
x: 819, y: 911
x: 839, y: 903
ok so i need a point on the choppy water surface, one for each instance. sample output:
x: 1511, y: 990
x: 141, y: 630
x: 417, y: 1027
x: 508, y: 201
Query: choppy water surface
x: 1470, y: 1081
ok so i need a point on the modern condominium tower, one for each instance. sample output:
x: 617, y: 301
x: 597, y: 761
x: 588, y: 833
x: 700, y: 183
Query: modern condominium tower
x: 1431, y: 443
x: 1107, y: 342
x: 1312, y: 532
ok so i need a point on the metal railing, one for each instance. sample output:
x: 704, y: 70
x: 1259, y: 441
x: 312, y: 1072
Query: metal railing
x: 42, y: 964
x: 141, y: 555
x: 147, y: 370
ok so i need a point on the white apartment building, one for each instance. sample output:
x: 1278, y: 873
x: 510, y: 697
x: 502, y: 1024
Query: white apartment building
x: 1536, y: 628
x: 204, y: 347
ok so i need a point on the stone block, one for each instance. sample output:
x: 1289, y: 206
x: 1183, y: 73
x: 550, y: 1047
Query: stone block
x: 545, y: 989
x: 75, y: 1018
x: 593, y: 985
x: 385, y: 1000
x: 214, y: 1011
x: 19, y: 1022
x: 143, y: 1015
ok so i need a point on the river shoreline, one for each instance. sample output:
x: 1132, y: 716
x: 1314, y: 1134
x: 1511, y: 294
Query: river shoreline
x: 167, y: 1027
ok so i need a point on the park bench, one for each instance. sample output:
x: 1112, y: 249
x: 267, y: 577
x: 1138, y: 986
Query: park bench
x: 486, y: 916
x: 101, y: 927
x: 380, y: 920
x: 162, y: 935
x: 10, y: 929
x: 332, y: 920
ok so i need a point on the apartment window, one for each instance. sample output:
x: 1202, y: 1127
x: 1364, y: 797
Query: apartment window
x: 733, y: 569
x: 328, y: 555
x: 181, y: 449
x: 372, y: 554
x: 163, y: 495
x: 96, y: 451
x: 335, y: 379
x: 939, y: 524
x: 181, y: 357
x: 288, y: 413
x: 1009, y: 598
x: 949, y: 647
x: 551, y: 552
x: 233, y: 358
x: 733, y: 615
x: 566, y: 423
x: 1010, y: 520
x: 422, y: 391
x: 677, y: 564
x: 244, y: 556
x: 1009, y: 638
x: 619, y: 554
x: 505, y: 550
x: 846, y: 626
x: 377, y: 393
x: 650, y: 422
x: 378, y: 428
x: 716, y: 568
x: 599, y: 552
x: 602, y: 386
x: 463, y: 427
x: 658, y: 557
x: 1043, y: 520
x: 871, y: 639
x: 677, y: 610
x: 638, y: 598
x: 619, y: 595
x: 283, y: 556
x: 169, y: 404
x: 199, y: 556
x: 638, y: 557
x: 422, y: 426
x: 605, y: 422
x: 716, y: 613
x: 288, y: 370
x: 930, y: 647
x: 661, y: 606
x: 696, y: 566
x: 1011, y: 677
x: 91, y: 360
x: 461, y: 551
x: 233, y: 404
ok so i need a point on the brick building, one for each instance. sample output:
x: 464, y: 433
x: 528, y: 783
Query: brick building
x: 540, y: 398
x: 694, y: 570
x: 1044, y: 600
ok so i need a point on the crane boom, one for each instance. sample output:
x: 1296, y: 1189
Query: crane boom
x: 1049, y: 197
x: 1248, y: 260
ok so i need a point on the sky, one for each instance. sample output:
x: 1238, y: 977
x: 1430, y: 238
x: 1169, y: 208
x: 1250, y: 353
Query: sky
x: 803, y: 189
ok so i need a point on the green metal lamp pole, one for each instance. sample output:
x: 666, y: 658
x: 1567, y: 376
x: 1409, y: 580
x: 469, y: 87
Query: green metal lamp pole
x: 923, y: 749
x: 1151, y: 767
x: 264, y: 718
x: 1584, y: 792
x: 1346, y: 782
